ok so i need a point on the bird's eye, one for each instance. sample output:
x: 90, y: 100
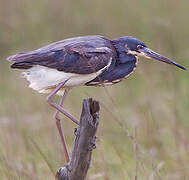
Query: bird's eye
x: 139, y: 47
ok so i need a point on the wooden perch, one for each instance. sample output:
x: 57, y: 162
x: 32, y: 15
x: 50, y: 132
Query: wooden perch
x: 84, y: 143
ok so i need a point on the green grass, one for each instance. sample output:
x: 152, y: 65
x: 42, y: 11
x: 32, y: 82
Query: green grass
x: 144, y: 120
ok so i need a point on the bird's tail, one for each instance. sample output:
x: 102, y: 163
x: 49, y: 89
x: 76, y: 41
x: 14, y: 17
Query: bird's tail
x: 21, y: 56
x: 23, y: 60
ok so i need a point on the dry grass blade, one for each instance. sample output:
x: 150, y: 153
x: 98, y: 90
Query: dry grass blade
x: 42, y: 155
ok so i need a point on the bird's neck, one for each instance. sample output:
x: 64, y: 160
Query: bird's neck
x: 119, y: 45
x: 123, y: 56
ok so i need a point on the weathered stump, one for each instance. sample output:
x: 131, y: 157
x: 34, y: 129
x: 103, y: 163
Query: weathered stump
x: 84, y: 143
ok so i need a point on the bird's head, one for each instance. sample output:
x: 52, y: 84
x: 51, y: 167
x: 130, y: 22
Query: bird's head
x: 138, y: 48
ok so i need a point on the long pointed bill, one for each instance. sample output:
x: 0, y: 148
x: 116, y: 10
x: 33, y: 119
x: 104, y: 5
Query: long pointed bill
x: 151, y: 54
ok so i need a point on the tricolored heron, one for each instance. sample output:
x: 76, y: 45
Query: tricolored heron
x: 87, y: 60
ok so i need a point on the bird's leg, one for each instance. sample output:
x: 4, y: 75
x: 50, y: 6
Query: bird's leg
x: 58, y: 107
x: 58, y: 124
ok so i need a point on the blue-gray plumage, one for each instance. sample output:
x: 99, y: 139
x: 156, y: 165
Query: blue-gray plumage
x: 88, y: 60
x: 110, y: 61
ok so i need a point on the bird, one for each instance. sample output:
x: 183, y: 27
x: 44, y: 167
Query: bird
x: 81, y: 61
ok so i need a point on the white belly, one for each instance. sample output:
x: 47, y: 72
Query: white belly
x: 44, y: 79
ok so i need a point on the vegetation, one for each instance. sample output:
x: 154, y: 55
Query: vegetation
x: 144, y: 125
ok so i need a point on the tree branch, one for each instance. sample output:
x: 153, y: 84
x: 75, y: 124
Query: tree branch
x: 84, y: 143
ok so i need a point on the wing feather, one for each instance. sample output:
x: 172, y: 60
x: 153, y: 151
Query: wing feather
x: 83, y: 55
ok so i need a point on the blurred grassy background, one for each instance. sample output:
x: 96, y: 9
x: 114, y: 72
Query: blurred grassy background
x: 144, y: 127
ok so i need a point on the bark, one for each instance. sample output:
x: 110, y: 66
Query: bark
x: 84, y: 143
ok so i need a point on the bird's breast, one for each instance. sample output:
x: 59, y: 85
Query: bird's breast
x: 118, y: 73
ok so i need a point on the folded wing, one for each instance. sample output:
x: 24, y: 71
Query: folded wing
x: 83, y: 55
